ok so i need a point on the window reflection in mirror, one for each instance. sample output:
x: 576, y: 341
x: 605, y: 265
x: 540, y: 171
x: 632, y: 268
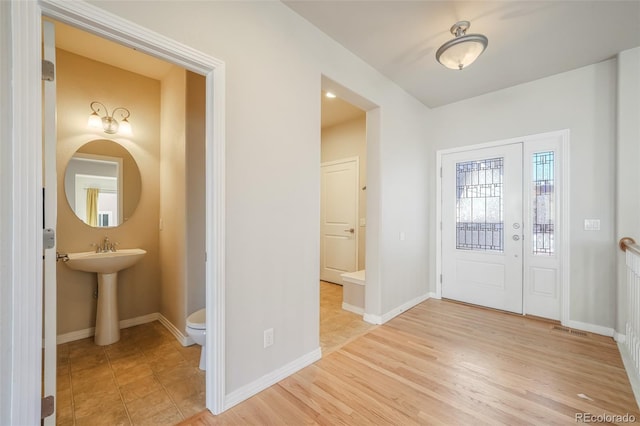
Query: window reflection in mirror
x: 102, y: 184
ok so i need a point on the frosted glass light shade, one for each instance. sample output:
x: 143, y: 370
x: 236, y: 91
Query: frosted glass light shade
x: 125, y: 128
x: 95, y: 122
x: 461, y: 52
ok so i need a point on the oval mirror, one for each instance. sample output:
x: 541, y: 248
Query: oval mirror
x: 102, y: 183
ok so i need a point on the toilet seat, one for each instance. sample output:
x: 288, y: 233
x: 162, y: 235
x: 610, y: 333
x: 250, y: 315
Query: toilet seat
x: 197, y: 320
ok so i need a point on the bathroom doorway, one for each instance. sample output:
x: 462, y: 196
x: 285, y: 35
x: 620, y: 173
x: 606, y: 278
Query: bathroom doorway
x: 343, y: 207
x: 205, y: 95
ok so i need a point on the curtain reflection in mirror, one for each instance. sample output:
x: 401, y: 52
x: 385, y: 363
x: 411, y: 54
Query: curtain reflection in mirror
x: 92, y: 206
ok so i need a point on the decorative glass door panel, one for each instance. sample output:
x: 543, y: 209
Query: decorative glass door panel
x: 482, y: 227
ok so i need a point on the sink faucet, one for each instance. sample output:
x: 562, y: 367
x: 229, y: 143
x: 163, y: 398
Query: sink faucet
x: 106, y: 246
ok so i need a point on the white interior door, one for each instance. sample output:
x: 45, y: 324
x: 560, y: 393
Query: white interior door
x: 50, y: 218
x: 338, y: 219
x: 482, y: 227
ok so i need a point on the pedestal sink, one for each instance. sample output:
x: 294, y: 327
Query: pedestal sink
x: 106, y: 265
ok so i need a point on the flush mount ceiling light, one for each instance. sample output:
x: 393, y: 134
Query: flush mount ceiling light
x: 101, y: 119
x: 330, y: 95
x: 461, y: 51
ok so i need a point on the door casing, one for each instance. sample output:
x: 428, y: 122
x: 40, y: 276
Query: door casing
x: 26, y: 210
x: 528, y: 142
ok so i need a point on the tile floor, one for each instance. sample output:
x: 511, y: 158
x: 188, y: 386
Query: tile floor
x: 337, y: 326
x: 146, y: 378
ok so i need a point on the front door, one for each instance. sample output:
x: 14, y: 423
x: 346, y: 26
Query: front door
x: 482, y: 227
x: 338, y: 216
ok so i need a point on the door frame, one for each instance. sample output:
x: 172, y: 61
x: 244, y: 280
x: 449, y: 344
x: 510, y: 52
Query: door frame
x: 25, y: 209
x: 563, y: 136
x: 355, y: 160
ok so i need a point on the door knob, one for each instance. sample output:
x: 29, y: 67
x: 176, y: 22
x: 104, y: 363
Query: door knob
x: 350, y: 230
x: 516, y: 237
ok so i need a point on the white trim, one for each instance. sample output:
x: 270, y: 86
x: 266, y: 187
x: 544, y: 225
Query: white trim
x: 632, y: 372
x: 381, y: 319
x: 88, y: 332
x: 130, y: 322
x: 591, y: 328
x: 565, y: 216
x: 184, y: 340
x: 27, y: 180
x: 619, y: 337
x: 352, y: 308
x: 565, y: 260
x: 248, y: 390
x: 25, y: 237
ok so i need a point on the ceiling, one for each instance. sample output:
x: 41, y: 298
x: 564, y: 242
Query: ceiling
x: 99, y: 49
x: 71, y: 39
x: 337, y: 111
x: 528, y: 40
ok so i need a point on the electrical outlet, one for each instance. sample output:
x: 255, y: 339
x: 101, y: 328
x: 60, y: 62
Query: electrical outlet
x: 268, y: 337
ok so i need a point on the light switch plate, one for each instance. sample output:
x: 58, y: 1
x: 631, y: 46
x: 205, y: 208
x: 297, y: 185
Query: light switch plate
x: 592, y: 224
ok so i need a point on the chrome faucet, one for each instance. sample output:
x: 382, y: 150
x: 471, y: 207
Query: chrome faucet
x: 106, y: 246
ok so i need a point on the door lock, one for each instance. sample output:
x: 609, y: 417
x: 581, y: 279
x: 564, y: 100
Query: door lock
x: 516, y: 237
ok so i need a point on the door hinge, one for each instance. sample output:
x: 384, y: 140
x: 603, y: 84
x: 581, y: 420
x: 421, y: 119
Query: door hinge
x: 48, y: 238
x: 47, y: 406
x: 440, y: 171
x: 440, y: 278
x: 48, y: 70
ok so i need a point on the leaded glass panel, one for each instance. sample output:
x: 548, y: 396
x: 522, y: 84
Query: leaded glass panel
x: 479, y: 215
x: 543, y: 203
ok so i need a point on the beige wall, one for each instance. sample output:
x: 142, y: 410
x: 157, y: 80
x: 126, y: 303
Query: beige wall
x: 172, y: 197
x: 79, y: 82
x: 350, y: 140
x: 195, y: 165
x: 182, y: 202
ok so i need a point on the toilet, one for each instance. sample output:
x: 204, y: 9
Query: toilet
x: 197, y: 330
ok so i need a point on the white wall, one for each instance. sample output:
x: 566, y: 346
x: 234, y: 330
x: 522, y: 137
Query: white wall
x: 6, y: 293
x: 584, y: 101
x: 627, y: 170
x: 274, y: 61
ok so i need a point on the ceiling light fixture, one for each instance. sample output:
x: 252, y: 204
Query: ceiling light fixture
x: 330, y: 95
x: 100, y: 119
x: 461, y: 51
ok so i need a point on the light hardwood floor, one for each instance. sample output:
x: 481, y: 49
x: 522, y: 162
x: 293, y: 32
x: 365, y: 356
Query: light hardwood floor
x: 450, y: 364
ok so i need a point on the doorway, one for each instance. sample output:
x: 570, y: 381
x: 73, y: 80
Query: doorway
x: 139, y: 38
x: 343, y: 217
x: 503, y: 221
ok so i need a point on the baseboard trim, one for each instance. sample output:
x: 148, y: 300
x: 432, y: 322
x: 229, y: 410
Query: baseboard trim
x: 88, y: 332
x: 247, y: 391
x: 381, y: 319
x: 591, y: 328
x: 352, y: 308
x: 433, y: 295
x: 619, y: 337
x: 180, y: 337
x: 632, y: 372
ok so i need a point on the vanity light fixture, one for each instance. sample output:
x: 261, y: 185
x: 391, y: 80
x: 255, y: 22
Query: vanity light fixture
x: 101, y: 119
x: 461, y: 51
